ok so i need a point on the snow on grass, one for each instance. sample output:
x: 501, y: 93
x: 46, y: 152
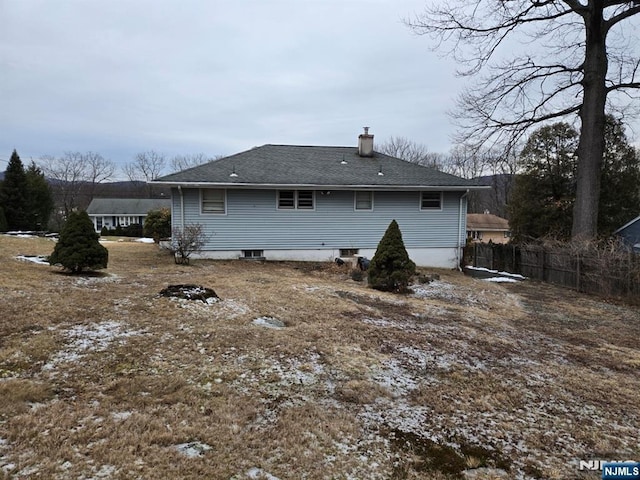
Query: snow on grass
x: 500, y: 280
x: 193, y: 449
x: 144, y: 240
x: 269, y: 322
x: 97, y: 279
x: 38, y: 259
x: 83, y: 339
x: 441, y: 290
x: 259, y: 474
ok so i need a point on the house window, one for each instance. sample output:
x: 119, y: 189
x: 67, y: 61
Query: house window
x: 305, y: 199
x: 98, y: 223
x: 364, y: 200
x: 474, y: 234
x: 295, y: 199
x: 349, y: 252
x: 213, y: 201
x: 252, y: 254
x: 431, y: 201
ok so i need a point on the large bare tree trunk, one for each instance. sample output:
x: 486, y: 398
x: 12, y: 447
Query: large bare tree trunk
x: 592, y: 114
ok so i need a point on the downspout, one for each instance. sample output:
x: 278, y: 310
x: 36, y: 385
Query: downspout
x: 460, y: 244
x: 181, y: 208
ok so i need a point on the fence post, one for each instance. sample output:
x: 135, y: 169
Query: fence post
x: 492, y: 248
x: 542, y: 260
x: 475, y: 254
x: 577, y: 271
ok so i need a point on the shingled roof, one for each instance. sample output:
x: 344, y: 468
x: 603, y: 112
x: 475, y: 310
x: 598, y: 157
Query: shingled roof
x: 126, y: 206
x: 313, y: 166
x: 486, y: 222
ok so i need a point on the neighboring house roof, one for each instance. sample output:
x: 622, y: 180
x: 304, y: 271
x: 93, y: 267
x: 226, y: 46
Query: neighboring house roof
x: 486, y: 222
x: 627, y: 225
x: 312, y: 166
x: 126, y: 206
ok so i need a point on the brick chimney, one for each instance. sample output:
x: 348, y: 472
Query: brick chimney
x: 365, y: 144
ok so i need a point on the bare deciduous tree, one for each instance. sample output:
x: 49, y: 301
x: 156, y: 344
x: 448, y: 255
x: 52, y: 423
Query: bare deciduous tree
x: 401, y: 147
x: 145, y: 167
x: 575, y: 57
x: 182, y: 162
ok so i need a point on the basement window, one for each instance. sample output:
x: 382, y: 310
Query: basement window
x: 349, y: 252
x: 252, y: 253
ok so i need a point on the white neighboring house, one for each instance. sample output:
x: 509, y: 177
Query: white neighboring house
x: 113, y: 212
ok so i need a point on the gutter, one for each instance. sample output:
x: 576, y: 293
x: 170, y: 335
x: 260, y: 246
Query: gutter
x: 319, y: 186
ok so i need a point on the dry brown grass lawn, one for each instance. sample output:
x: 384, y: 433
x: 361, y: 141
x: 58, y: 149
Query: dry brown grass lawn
x: 100, y: 377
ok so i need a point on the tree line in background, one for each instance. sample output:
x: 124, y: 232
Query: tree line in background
x: 26, y: 200
x: 534, y: 188
x: 42, y: 196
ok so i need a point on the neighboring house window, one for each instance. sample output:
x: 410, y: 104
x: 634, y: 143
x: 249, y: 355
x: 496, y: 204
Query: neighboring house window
x: 295, y: 199
x: 213, y: 201
x: 431, y: 201
x: 474, y: 234
x: 363, y: 200
x: 98, y: 223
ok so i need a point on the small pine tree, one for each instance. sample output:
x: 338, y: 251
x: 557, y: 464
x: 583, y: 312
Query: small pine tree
x: 391, y: 268
x: 78, y: 248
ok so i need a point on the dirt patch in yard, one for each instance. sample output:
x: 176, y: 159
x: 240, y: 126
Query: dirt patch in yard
x: 102, y: 378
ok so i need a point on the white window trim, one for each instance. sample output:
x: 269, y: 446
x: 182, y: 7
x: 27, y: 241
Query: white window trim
x: 295, y: 200
x: 430, y: 209
x: 355, y: 201
x: 224, y: 196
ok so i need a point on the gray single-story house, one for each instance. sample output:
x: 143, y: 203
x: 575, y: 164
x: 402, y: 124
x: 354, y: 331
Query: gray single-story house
x: 113, y: 212
x: 630, y: 233
x: 316, y: 203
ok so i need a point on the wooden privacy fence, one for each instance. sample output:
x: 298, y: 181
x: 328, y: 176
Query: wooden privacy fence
x: 606, y: 272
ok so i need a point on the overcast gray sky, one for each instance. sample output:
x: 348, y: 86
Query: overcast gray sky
x: 120, y: 77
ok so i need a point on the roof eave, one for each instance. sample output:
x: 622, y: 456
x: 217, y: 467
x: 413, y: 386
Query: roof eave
x: 319, y: 186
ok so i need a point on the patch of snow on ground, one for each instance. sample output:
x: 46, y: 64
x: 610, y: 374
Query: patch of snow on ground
x: 118, y: 416
x: 193, y: 449
x: 504, y: 274
x: 39, y: 259
x: 144, y: 240
x: 269, y: 322
x: 89, y: 338
x: 259, y: 474
x: 500, y: 280
x: 94, y: 280
x: 440, y: 290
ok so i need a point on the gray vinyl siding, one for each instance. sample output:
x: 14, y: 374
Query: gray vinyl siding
x: 253, y: 221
